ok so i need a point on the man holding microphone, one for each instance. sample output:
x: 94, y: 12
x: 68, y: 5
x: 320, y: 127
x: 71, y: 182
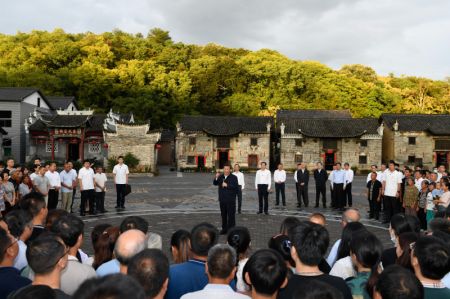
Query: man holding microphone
x: 228, y: 185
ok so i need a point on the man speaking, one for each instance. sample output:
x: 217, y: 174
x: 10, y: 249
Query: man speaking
x: 228, y: 186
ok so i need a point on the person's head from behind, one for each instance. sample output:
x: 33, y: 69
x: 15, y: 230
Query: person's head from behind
x: 309, y: 243
x: 9, y: 248
x: 128, y: 245
x: 180, y: 242
x: 104, y: 246
x: 350, y: 215
x: 34, y: 203
x: 221, y: 263
x: 439, y: 224
x: 239, y: 238
x: 116, y: 286
x: 403, y: 249
x: 150, y: 268
x: 318, y: 218
x: 287, y: 224
x: 349, y: 231
x: 70, y: 229
x: 401, y: 224
x: 54, y: 215
x: 203, y: 237
x: 47, y: 254
x: 281, y: 244
x: 20, y: 224
x: 265, y: 272
x: 134, y: 222
x: 396, y: 282
x: 316, y: 289
x: 34, y: 292
x: 430, y: 258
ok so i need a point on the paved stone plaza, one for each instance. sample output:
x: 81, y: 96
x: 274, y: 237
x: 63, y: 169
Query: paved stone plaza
x: 174, y: 200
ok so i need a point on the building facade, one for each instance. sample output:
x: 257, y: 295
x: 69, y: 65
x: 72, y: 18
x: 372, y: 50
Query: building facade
x: 416, y: 139
x: 328, y: 136
x: 212, y: 141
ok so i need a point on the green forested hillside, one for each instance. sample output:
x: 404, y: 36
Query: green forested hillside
x: 157, y: 78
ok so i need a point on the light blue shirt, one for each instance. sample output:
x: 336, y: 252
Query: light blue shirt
x: 111, y: 267
x: 446, y: 280
x: 67, y: 178
x: 331, y: 259
x: 338, y: 176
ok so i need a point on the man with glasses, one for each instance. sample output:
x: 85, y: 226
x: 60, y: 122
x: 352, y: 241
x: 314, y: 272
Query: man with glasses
x: 10, y: 279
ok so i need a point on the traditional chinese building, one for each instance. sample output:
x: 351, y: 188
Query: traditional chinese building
x: 417, y: 139
x: 328, y: 136
x: 213, y: 141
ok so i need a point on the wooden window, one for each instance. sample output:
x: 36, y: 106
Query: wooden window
x: 298, y: 158
x: 5, y: 118
x: 411, y: 140
x: 298, y: 142
x: 362, y: 159
x: 363, y: 143
x: 191, y: 160
x: 419, y: 161
x: 48, y: 147
x: 442, y: 144
x: 253, y: 141
x: 94, y: 148
x: 192, y: 140
x: 411, y: 159
x: 223, y: 142
x: 7, y: 150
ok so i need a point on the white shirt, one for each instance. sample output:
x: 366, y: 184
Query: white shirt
x: 279, y: 176
x: 418, y: 183
x: 263, y: 177
x: 332, y: 256
x: 295, y: 174
x: 20, y: 261
x: 100, y: 179
x: 330, y: 178
x: 349, y: 174
x: 343, y: 268
x: 33, y: 175
x: 121, y: 172
x: 53, y: 177
x: 87, y: 178
x: 216, y: 291
x: 379, y: 177
x: 391, y: 180
x: 240, y: 177
x: 67, y: 178
x: 241, y: 286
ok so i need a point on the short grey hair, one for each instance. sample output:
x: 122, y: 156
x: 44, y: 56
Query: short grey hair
x: 222, y: 260
x: 347, y: 219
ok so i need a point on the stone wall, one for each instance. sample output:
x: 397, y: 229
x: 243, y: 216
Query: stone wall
x: 133, y: 139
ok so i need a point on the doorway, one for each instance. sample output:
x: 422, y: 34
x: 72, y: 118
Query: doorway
x: 223, y: 159
x: 201, y: 162
x: 253, y: 161
x: 441, y: 159
x: 329, y: 161
x: 74, y: 152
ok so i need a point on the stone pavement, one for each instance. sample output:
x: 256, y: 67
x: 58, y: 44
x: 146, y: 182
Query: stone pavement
x: 174, y: 200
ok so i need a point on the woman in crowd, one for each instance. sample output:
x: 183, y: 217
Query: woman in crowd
x: 180, y: 242
x: 287, y: 224
x: 239, y: 238
x: 20, y: 225
x: 403, y: 249
x: 282, y: 245
x: 424, y: 197
x: 410, y: 197
x: 444, y: 201
x: 366, y: 252
x: 25, y: 186
x: 104, y: 246
x: 9, y: 192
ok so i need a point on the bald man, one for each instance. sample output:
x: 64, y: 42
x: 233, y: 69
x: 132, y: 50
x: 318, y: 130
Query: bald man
x: 127, y: 246
x: 349, y: 215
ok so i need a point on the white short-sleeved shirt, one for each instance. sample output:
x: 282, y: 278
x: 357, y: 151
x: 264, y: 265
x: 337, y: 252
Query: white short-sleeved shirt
x: 33, y: 175
x: 100, y: 179
x: 121, y: 172
x: 53, y: 177
x: 391, y: 180
x: 87, y: 178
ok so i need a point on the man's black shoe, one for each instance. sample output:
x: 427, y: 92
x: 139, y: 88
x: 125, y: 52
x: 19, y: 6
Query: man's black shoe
x: 267, y: 213
x: 259, y: 212
x: 82, y: 214
x: 316, y: 206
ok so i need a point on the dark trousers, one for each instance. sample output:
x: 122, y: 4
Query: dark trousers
x: 392, y: 206
x: 87, y: 196
x: 279, y: 188
x: 422, y: 215
x: 333, y: 197
x: 228, y: 212
x: 321, y: 189
x: 338, y: 190
x: 263, y: 198
x: 374, y: 209
x: 239, y: 197
x: 52, y: 199
x: 348, y: 195
x: 120, y: 190
x: 100, y: 201
x: 73, y: 199
x: 302, y: 192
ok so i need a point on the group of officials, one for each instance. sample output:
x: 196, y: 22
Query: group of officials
x: 231, y: 184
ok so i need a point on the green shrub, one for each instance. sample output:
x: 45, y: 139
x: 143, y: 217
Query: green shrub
x: 129, y: 159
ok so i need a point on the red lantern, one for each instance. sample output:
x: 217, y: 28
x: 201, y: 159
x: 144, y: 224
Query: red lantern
x: 105, y: 145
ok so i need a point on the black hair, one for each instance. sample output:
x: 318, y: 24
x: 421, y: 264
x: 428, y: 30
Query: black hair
x: 264, y: 163
x: 34, y: 292
x: 350, y: 230
x: 404, y: 241
x: 221, y: 261
x: 239, y: 239
x: 17, y: 221
x: 44, y: 252
x: 400, y: 224
x: 134, y: 222
x: 181, y: 241
x: 203, y: 237
x: 119, y: 157
x: 440, y: 224
x: 266, y: 270
x: 68, y: 228
x: 282, y: 245
x: 316, y: 289
x: 433, y: 256
x: 311, y: 242
x: 5, y: 242
x: 395, y: 282
x: 150, y: 268
x: 367, y: 249
x: 115, y: 286
x: 33, y: 202
x: 288, y: 223
x: 98, y: 230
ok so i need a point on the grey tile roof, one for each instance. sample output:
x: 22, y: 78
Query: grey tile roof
x: 15, y: 93
x: 313, y: 113
x: 331, y: 128
x: 225, y: 125
x: 91, y: 122
x: 436, y: 124
x: 60, y: 102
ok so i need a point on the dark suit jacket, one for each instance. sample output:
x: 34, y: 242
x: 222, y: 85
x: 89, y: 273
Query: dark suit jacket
x: 229, y: 192
x: 321, y: 178
x: 302, y: 177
